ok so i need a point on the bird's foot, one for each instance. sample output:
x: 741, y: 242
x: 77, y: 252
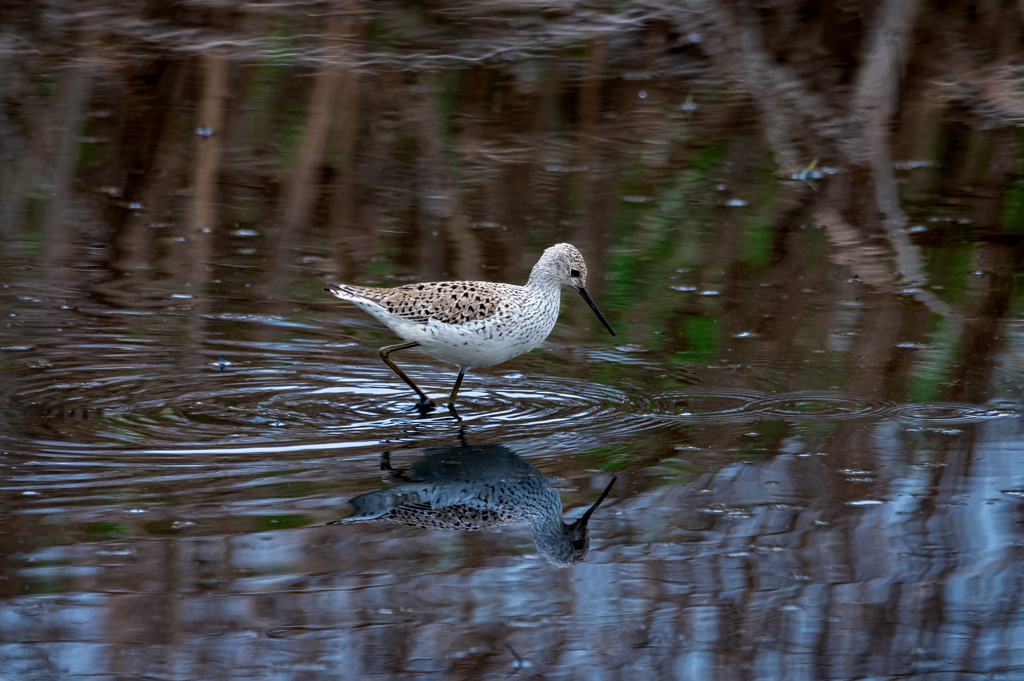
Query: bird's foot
x: 424, y: 406
x: 453, y: 412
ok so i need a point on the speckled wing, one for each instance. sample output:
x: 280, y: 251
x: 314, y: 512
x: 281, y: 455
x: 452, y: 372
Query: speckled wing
x: 458, y: 507
x: 456, y: 517
x: 450, y: 302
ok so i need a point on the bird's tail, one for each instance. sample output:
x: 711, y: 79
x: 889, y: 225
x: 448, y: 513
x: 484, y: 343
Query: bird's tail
x: 353, y: 293
x: 374, y: 505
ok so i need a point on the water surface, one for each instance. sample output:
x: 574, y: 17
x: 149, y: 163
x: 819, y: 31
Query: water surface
x: 812, y: 406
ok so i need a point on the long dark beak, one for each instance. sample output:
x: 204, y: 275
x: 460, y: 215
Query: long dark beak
x: 585, y: 518
x: 590, y: 302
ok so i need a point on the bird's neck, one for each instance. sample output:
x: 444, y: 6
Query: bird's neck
x: 545, y: 512
x: 544, y: 275
x: 545, y: 294
x: 549, y: 529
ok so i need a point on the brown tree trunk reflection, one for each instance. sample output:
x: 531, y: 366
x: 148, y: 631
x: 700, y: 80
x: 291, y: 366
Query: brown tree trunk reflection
x: 153, y: 156
x: 350, y: 241
x: 199, y: 231
x: 303, y: 186
x: 435, y: 202
x: 58, y: 231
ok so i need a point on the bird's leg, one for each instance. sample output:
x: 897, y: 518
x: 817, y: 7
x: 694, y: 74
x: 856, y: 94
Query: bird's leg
x: 455, y: 390
x: 385, y: 466
x: 387, y: 350
x: 391, y: 474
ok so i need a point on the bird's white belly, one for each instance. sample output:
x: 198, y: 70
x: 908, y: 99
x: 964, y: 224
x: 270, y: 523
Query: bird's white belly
x: 482, y: 343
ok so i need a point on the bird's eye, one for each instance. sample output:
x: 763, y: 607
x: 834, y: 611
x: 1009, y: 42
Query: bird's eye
x: 574, y: 273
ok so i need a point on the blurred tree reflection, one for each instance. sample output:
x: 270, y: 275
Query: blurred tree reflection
x: 690, y: 143
x: 777, y: 196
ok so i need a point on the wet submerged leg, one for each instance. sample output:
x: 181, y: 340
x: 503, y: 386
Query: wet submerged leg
x: 392, y: 474
x: 455, y: 390
x: 387, y: 350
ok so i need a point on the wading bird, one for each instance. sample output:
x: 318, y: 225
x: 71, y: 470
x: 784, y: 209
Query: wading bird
x: 474, y: 324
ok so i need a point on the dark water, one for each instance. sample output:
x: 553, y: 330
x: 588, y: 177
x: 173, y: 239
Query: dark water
x: 807, y: 240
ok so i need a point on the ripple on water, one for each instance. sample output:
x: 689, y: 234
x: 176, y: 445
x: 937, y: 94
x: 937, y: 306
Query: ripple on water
x: 547, y: 404
x: 704, y: 405
x: 153, y: 405
x: 813, y: 405
x: 153, y: 431
x: 270, y: 400
x: 524, y: 406
x: 708, y: 405
x: 949, y: 413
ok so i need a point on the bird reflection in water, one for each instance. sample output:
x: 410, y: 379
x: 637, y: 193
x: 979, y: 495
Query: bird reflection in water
x: 482, y: 487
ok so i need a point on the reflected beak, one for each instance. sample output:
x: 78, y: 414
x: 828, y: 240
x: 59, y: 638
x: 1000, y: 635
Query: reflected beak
x: 590, y: 302
x: 585, y: 518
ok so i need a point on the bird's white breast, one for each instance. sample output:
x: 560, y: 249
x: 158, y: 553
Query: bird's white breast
x: 492, y: 340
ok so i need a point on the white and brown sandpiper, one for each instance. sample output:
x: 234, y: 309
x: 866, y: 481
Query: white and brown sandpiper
x: 474, y: 324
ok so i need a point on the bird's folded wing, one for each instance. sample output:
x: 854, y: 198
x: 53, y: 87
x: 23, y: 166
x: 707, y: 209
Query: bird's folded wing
x: 449, y: 302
